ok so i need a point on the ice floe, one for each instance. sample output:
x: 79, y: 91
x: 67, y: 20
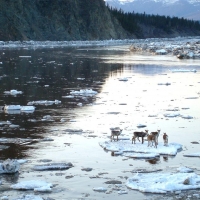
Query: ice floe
x: 184, y: 170
x: 44, y: 102
x: 9, y: 166
x: 84, y: 92
x: 27, y: 108
x: 126, y: 146
x: 141, y: 125
x: 161, y: 52
x: 192, y: 154
x: 163, y: 182
x: 16, y: 109
x: 12, y: 107
x: 184, y: 70
x: 186, y: 117
x: 123, y: 79
x: 171, y: 114
x: 36, y: 185
x: 122, y: 192
x: 100, y: 189
x: 4, y: 198
x: 13, y: 92
x: 68, y: 96
x: 53, y: 166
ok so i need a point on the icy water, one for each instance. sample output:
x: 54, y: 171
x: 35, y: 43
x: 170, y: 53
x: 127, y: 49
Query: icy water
x: 131, y: 89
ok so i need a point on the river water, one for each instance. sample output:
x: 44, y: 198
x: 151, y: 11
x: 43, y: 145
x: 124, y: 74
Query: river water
x: 130, y: 88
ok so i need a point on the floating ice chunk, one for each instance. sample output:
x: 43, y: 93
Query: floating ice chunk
x: 141, y: 155
x: 9, y: 166
x: 122, y: 192
x: 171, y: 114
x: 167, y: 83
x: 24, y: 56
x: 12, y: 107
x: 190, y: 54
x: 13, y: 126
x: 5, y: 123
x: 29, y: 197
x: 21, y: 161
x: 27, y: 108
x: 186, y: 117
x: 141, y: 125
x: 57, y: 101
x: 184, y: 170
x: 192, y: 155
x: 183, y: 70
x: 164, y: 182
x: 123, y: 79
x: 43, y: 189
x: 31, y: 185
x: 161, y: 52
x: 100, y: 189
x: 53, y: 166
x: 81, y: 79
x: 84, y: 92
x: 13, y: 92
x: 4, y: 198
x: 68, y: 96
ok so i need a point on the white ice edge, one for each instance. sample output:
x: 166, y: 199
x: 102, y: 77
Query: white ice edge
x: 142, y: 150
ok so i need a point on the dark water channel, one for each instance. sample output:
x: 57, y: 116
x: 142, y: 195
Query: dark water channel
x: 45, y: 74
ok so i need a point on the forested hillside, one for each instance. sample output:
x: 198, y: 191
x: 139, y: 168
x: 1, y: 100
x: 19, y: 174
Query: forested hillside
x: 57, y: 20
x: 83, y: 20
x: 143, y: 25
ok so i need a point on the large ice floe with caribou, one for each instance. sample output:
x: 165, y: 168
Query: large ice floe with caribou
x: 147, y: 148
x: 183, y: 178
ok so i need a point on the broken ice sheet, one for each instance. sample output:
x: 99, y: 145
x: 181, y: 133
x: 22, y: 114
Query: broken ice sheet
x: 32, y: 185
x: 163, y: 182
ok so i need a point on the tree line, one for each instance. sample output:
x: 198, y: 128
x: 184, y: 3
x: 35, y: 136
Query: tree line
x: 132, y: 21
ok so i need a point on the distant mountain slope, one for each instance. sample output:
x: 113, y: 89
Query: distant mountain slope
x: 57, y: 20
x: 181, y: 8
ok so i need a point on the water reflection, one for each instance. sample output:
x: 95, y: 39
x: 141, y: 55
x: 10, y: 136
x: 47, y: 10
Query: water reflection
x: 45, y: 74
x: 153, y: 161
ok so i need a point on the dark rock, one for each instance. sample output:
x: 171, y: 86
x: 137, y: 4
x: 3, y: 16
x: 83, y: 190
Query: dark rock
x: 113, y: 182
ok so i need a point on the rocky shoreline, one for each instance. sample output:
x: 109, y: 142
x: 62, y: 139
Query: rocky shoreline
x: 189, y: 48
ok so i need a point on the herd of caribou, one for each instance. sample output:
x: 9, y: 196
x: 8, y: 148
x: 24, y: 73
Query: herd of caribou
x: 152, y: 138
